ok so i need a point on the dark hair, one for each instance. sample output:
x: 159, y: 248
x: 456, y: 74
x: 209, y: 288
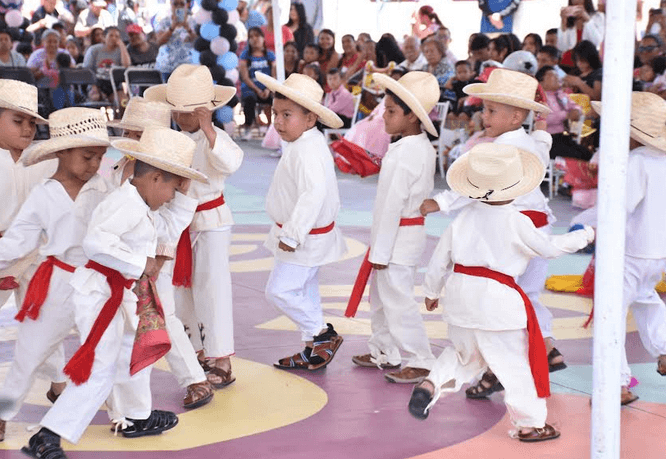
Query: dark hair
x: 281, y: 96
x: 514, y: 42
x: 552, y: 31
x: 399, y: 70
x: 326, y: 54
x: 249, y: 47
x: 427, y: 10
x: 109, y: 29
x: 313, y: 46
x: 302, y: 18
x: 479, y: 42
x: 541, y: 73
x: 537, y: 40
x: 58, y: 26
x: 24, y: 48
x: 141, y: 169
x: 551, y: 51
x: 6, y: 31
x: 348, y: 35
x: 63, y: 60
x: 334, y: 71
x: 658, y: 64
x: 586, y: 51
x: 655, y: 38
x: 588, y: 5
x: 387, y: 50
x: 317, y: 70
x: 405, y: 108
x: 459, y: 63
x: 502, y: 43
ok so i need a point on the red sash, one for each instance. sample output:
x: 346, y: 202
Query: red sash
x: 537, y: 348
x: 182, y: 268
x: 366, y: 268
x: 540, y: 219
x: 38, y: 288
x: 80, y: 365
x: 322, y: 230
x: 9, y: 282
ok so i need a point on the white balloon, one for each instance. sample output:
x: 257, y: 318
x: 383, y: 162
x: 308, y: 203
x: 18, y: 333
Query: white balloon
x: 232, y: 75
x: 219, y: 45
x: 233, y: 17
x: 13, y: 18
x: 202, y: 16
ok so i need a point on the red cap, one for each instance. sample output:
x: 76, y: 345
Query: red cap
x: 134, y: 28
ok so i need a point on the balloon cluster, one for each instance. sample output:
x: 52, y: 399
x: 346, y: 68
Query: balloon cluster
x: 216, y: 46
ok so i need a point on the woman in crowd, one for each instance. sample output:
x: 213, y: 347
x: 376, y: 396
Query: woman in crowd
x: 388, y: 50
x: 74, y: 49
x: 588, y: 65
x: 43, y: 62
x: 101, y: 57
x: 329, y: 57
x: 532, y: 43
x: 255, y: 58
x: 175, y: 35
x: 291, y: 59
x: 580, y: 21
x: 433, y: 50
x: 269, y: 33
x: 352, y: 60
x: 500, y: 48
x: 303, y: 33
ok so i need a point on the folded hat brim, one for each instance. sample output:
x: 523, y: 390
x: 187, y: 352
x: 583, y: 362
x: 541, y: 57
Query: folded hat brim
x: 27, y: 111
x: 533, y: 173
x: 326, y: 116
x: 638, y: 134
x: 223, y: 94
x: 119, y: 124
x: 480, y: 90
x: 408, y: 98
x: 133, y: 149
x: 47, y: 149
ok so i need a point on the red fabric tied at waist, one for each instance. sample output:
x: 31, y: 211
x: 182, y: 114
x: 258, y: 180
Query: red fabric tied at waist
x: 540, y: 219
x: 537, y: 349
x: 38, y: 288
x: 151, y: 342
x: 182, y: 268
x: 321, y: 230
x: 366, y: 268
x: 80, y: 365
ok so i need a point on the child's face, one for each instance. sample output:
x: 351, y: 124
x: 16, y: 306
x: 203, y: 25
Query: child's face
x: 72, y: 49
x: 256, y: 40
x: 81, y: 163
x: 311, y: 73
x: 96, y: 36
x: 481, y: 55
x: 17, y: 130
x: 130, y: 134
x: 395, y: 120
x: 463, y: 73
x: 550, y: 81
x: 159, y: 191
x: 646, y: 73
x: 310, y: 54
x: 551, y: 40
x: 290, y: 54
x: 334, y: 81
x: 544, y: 59
x: 529, y: 45
x: 186, y: 121
x: 289, y: 119
x: 500, y: 118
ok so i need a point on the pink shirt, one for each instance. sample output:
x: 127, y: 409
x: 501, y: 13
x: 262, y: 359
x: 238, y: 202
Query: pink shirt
x: 560, y: 105
x: 340, y: 101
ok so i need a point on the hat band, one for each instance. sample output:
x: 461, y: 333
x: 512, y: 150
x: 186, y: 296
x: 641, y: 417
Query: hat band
x: 487, y: 195
x: 213, y: 101
x: 642, y: 131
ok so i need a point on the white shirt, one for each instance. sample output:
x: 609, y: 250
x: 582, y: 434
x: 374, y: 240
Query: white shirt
x: 499, y: 238
x: 593, y: 31
x: 418, y: 64
x: 646, y: 218
x: 405, y: 180
x: 16, y: 181
x: 50, y: 214
x: 304, y: 195
x: 217, y: 164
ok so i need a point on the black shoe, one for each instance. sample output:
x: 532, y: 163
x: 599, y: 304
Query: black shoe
x: 44, y: 445
x: 420, y: 400
x: 158, y: 422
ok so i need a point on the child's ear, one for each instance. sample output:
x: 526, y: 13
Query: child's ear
x: 413, y: 118
x: 312, y: 119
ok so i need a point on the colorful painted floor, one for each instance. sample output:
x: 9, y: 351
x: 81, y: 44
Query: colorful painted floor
x: 345, y: 411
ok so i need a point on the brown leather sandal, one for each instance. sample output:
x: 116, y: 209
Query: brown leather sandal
x: 226, y: 377
x: 486, y: 386
x: 365, y: 360
x: 295, y: 362
x: 325, y: 350
x: 52, y: 396
x: 627, y: 397
x: 548, y: 432
x: 198, y: 394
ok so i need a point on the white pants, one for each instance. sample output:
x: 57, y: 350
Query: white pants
x: 294, y: 290
x: 640, y: 277
x: 181, y: 358
x: 77, y: 405
x: 506, y: 354
x: 207, y: 306
x: 397, y: 324
x: 38, y: 341
x: 532, y: 282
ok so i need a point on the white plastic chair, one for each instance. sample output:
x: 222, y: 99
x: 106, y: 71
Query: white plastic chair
x: 442, y: 109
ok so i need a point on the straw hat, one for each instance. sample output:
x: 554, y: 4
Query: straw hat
x: 419, y: 90
x: 165, y: 149
x: 190, y: 87
x: 495, y: 172
x: 141, y: 113
x: 21, y: 97
x: 648, y: 119
x: 508, y: 87
x: 306, y: 92
x: 69, y: 128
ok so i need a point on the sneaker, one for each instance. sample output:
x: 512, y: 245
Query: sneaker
x: 408, y: 375
x: 44, y: 445
x: 158, y: 422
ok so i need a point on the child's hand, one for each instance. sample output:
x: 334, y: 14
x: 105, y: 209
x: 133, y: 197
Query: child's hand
x: 428, y: 206
x: 205, y: 118
x: 285, y: 247
x: 378, y: 266
x: 152, y: 268
x: 184, y: 185
x: 431, y: 305
x: 159, y: 262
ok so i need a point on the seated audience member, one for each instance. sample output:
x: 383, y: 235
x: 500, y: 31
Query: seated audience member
x: 42, y: 61
x: 73, y: 47
x: 551, y: 38
x: 25, y: 50
x: 550, y: 56
x: 142, y: 52
x: 291, y: 59
x: 387, y: 50
x: 314, y: 71
x: 414, y: 59
x: 463, y: 76
x: 588, y: 68
x: 9, y: 57
x: 651, y: 76
x: 500, y: 47
x: 62, y: 30
x: 352, y: 60
x: 532, y: 43
x: 311, y: 54
x: 444, y: 36
x: 101, y: 57
x: 479, y: 51
x: 437, y: 63
x: 254, y: 59
x: 48, y: 13
x: 339, y: 99
x: 94, y: 16
x: 269, y: 33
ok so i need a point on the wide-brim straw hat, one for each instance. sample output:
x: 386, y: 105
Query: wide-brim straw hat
x: 69, y: 128
x: 306, y: 92
x: 648, y: 119
x: 141, y: 113
x: 21, y: 97
x: 508, y: 87
x: 164, y: 148
x: 419, y: 90
x: 190, y: 87
x: 495, y: 172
